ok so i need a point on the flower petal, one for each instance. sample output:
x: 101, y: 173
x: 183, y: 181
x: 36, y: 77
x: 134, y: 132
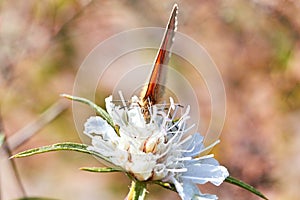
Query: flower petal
x: 114, y: 111
x: 189, y: 191
x: 136, y: 118
x: 113, y: 156
x: 203, y: 173
x: 191, y: 188
x: 142, y: 165
x: 97, y: 125
x: 205, y: 197
x: 109, y: 105
x: 194, y: 145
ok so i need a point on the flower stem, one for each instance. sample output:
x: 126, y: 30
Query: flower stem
x: 137, y: 191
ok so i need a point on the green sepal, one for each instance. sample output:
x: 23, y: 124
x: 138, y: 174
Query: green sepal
x: 100, y: 169
x: 137, y: 191
x: 245, y: 186
x: 100, y: 111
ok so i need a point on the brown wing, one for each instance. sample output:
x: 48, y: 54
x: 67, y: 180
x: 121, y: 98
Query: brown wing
x: 155, y: 87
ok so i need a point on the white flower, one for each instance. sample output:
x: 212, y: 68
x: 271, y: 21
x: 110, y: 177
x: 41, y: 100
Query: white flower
x: 156, y: 149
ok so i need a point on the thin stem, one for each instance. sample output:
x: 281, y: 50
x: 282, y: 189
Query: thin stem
x: 32, y: 128
x: 7, y: 154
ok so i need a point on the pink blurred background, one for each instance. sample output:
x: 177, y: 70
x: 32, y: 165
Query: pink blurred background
x: 255, y: 45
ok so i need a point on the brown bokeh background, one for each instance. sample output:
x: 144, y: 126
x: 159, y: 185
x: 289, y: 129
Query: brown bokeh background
x: 254, y: 43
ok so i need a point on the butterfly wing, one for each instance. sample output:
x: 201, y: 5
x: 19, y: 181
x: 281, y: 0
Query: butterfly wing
x: 155, y: 88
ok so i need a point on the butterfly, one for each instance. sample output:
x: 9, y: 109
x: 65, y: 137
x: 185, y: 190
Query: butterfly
x: 154, y: 90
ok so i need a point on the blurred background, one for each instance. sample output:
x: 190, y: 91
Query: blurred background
x: 255, y: 45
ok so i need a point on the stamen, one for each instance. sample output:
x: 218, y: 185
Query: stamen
x: 184, y: 159
x: 174, y: 112
x: 178, y: 170
x: 123, y: 101
x: 209, y: 147
x: 204, y: 157
x: 188, y: 129
x: 172, y: 103
x: 185, y: 139
x: 118, y: 115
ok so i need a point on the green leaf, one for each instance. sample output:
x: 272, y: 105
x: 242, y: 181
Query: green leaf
x: 66, y: 146
x: 35, y: 198
x: 55, y: 147
x: 169, y: 186
x: 246, y: 186
x: 100, y: 111
x: 166, y: 185
x: 100, y: 169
